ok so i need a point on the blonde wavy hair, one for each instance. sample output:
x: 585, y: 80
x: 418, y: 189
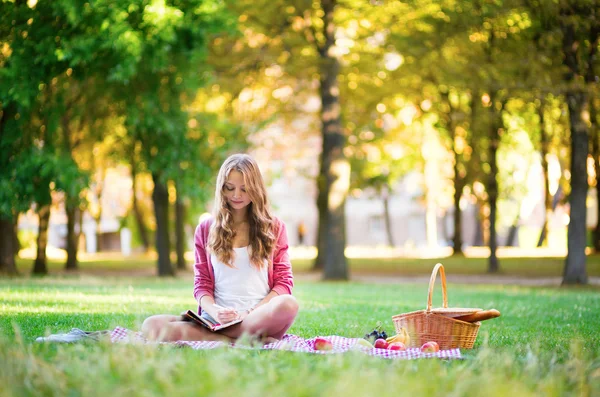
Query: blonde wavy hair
x: 262, y: 236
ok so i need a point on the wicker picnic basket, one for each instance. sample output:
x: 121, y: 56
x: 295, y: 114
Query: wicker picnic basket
x: 437, y: 324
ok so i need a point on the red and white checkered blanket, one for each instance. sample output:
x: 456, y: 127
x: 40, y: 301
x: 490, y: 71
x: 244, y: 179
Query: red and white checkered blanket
x: 296, y: 344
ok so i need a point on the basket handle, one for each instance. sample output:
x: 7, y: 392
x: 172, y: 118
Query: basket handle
x: 437, y: 267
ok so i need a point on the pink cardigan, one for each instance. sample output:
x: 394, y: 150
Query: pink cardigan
x: 279, y: 272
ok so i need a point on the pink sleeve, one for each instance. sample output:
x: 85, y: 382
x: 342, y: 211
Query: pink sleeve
x: 204, y: 283
x: 283, y: 280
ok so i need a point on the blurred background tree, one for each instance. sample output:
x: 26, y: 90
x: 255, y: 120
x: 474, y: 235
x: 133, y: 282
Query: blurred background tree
x: 140, y: 61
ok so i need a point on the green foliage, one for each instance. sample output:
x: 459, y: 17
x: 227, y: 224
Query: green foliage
x: 517, y: 268
x: 175, y: 86
x: 212, y: 139
x: 72, y: 72
x: 160, y: 85
x: 31, y: 182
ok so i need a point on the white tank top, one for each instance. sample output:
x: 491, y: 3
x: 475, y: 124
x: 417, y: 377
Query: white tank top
x: 241, y: 287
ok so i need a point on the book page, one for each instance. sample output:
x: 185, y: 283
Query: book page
x: 206, y: 323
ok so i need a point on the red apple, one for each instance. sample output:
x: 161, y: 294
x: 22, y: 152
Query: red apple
x: 323, y: 344
x: 380, y: 344
x: 430, y: 347
x: 397, y: 346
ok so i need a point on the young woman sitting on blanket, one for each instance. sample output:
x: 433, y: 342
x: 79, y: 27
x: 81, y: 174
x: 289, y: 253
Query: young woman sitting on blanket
x: 242, y: 268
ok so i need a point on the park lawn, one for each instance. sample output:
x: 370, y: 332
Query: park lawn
x: 545, y: 343
x: 527, y: 267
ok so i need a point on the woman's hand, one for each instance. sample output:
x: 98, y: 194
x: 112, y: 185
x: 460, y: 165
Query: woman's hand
x: 242, y: 314
x: 226, y: 315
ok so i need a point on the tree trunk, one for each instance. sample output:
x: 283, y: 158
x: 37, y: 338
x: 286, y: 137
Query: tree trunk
x: 544, y: 142
x: 575, y: 271
x: 323, y: 221
x: 16, y: 242
x: 458, y: 179
x: 577, y: 102
x: 160, y: 197
x: 79, y: 220
x: 334, y: 167
x: 98, y: 234
x: 386, y: 216
x: 457, y: 240
x: 72, y: 245
x: 511, y: 239
x: 7, y: 251
x: 7, y: 235
x: 179, y: 232
x: 590, y: 79
x: 478, y: 238
x: 493, y: 265
x: 596, y: 155
x: 71, y: 203
x: 40, y: 264
x: 473, y: 158
x: 98, y: 216
x: 139, y: 219
x: 492, y: 181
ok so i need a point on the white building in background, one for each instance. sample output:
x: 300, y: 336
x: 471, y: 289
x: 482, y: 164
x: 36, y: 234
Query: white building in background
x: 418, y: 221
x: 295, y: 203
x: 111, y: 236
x: 293, y: 198
x: 108, y: 235
x: 289, y: 160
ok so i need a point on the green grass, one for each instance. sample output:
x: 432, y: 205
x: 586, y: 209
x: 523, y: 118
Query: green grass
x: 545, y: 343
x: 522, y: 267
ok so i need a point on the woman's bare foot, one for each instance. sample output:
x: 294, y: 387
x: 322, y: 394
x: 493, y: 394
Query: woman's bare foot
x: 269, y: 339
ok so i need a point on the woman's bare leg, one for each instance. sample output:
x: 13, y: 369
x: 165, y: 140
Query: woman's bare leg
x: 170, y: 328
x: 270, y: 320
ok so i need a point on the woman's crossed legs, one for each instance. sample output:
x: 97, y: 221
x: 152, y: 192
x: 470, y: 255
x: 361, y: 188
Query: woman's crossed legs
x: 271, y: 320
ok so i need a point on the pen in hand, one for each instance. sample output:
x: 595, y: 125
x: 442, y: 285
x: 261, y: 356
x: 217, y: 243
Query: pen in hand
x: 227, y: 314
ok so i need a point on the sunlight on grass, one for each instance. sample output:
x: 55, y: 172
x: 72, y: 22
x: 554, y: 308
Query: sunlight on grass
x: 385, y: 251
x: 545, y: 343
x: 536, y: 263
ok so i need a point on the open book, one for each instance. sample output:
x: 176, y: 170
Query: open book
x: 195, y: 318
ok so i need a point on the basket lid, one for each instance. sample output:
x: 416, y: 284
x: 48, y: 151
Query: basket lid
x: 455, y: 311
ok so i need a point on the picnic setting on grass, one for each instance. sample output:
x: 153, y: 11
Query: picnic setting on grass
x: 300, y: 198
x: 243, y: 285
x: 433, y: 332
